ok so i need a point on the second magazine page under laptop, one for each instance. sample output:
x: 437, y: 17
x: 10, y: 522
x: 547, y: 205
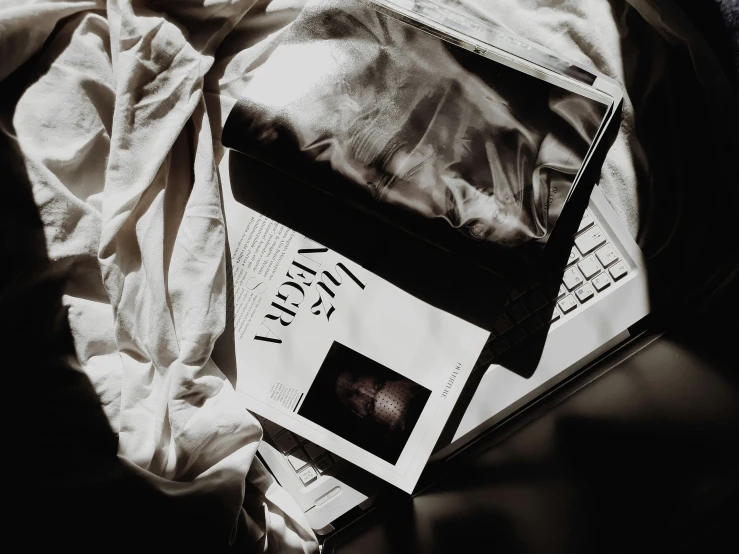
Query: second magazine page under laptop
x: 470, y: 154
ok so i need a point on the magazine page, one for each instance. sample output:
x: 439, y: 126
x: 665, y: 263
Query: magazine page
x: 338, y: 355
x: 381, y: 112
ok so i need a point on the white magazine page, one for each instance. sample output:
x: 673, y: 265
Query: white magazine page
x: 338, y: 355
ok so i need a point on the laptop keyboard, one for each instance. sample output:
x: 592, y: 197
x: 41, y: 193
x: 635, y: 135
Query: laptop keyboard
x: 309, y: 461
x: 594, y: 267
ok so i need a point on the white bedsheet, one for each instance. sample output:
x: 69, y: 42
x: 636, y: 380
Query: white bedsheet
x: 117, y: 142
x: 117, y: 130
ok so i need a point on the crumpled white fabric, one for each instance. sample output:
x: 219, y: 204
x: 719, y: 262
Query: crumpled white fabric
x: 118, y: 147
x: 117, y: 130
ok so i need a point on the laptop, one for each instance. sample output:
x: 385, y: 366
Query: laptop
x: 547, y: 331
x: 603, y: 292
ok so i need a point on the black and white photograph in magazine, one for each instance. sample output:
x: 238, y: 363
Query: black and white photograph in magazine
x: 364, y: 402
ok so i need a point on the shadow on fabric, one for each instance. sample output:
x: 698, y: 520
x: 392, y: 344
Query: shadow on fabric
x: 72, y: 489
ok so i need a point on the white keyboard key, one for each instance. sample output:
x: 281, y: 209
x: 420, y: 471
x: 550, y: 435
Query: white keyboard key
x: 516, y: 292
x: 535, y: 300
x: 532, y: 325
x: 601, y: 282
x: 555, y: 315
x: 307, y: 475
x: 584, y: 293
x: 298, y: 459
x: 606, y: 255
x: 517, y: 334
x: 518, y: 311
x: 502, y: 324
x: 589, y: 267
x: 501, y: 345
x: 618, y: 271
x: 487, y: 353
x: 590, y: 240
x: 272, y: 428
x: 572, y: 278
x: 313, y: 449
x: 562, y: 291
x: 587, y: 221
x: 323, y: 463
x: 567, y: 304
x: 285, y: 441
x: 574, y: 256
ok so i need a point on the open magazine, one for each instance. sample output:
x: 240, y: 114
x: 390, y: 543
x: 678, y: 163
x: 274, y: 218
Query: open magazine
x: 339, y: 356
x: 417, y: 133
